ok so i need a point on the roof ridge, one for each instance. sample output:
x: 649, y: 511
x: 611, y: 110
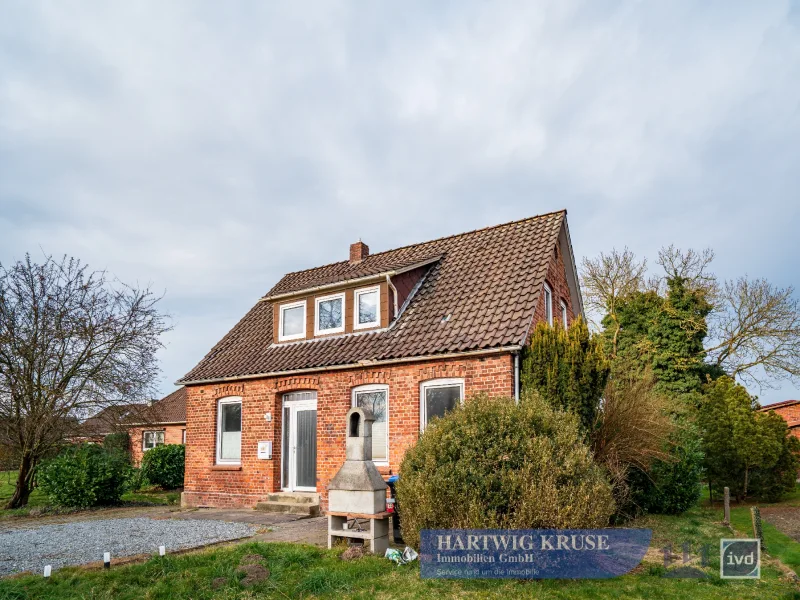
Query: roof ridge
x: 439, y: 239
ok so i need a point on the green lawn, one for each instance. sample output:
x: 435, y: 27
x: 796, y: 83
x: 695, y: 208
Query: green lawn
x: 38, y: 500
x: 306, y: 572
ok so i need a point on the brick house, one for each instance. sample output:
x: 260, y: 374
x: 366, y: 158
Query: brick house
x: 163, y: 422
x: 789, y: 411
x: 408, y: 333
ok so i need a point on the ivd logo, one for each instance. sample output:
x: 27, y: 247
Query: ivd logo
x: 740, y: 559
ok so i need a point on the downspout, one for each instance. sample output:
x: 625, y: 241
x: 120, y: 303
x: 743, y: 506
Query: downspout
x: 394, y: 292
x: 516, y: 377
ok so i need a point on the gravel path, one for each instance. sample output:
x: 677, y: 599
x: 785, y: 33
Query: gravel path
x: 85, y: 541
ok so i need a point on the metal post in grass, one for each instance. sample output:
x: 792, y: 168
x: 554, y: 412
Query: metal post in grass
x: 758, y: 532
x: 727, y: 520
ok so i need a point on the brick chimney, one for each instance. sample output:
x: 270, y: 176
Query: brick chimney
x: 358, y: 252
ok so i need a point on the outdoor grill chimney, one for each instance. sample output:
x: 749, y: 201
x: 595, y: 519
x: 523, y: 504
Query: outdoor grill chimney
x: 358, y: 252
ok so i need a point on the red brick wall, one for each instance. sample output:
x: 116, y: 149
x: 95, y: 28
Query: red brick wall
x: 210, y: 485
x: 790, y: 414
x: 173, y: 434
x: 557, y: 280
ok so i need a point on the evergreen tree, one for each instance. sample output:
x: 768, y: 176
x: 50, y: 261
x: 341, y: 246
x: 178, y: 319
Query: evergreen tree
x: 567, y: 367
x: 747, y: 451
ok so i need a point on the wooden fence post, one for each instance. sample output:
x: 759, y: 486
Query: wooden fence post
x: 758, y: 532
x: 727, y: 520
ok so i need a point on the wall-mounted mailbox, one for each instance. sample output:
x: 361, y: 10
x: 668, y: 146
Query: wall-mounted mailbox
x: 265, y: 450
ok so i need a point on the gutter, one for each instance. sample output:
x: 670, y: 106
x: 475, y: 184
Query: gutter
x: 516, y: 376
x: 394, y: 292
x: 358, y: 365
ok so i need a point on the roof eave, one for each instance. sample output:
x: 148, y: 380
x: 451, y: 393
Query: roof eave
x: 358, y: 365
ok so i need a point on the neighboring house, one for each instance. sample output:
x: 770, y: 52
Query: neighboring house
x: 163, y: 422
x: 111, y: 419
x: 789, y: 411
x: 408, y: 333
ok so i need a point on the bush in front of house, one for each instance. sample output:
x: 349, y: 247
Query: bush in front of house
x: 164, y: 466
x: 84, y: 476
x: 118, y: 442
x: 494, y: 463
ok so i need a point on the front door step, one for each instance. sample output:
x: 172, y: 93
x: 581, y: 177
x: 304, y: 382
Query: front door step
x: 297, y: 503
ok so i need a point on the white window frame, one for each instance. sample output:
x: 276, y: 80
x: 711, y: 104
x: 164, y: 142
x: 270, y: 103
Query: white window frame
x: 155, y: 433
x: 434, y: 383
x: 375, y: 388
x: 220, y: 403
x: 377, y: 321
x: 317, y: 330
x: 564, y: 314
x: 183, y: 436
x: 548, y: 305
x: 282, y: 309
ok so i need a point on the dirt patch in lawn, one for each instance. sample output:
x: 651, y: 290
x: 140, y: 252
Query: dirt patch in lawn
x: 785, y: 518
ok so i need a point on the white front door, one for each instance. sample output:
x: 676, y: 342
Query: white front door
x: 299, y: 442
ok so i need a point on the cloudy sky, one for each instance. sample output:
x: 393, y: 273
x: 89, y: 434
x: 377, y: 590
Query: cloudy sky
x: 207, y: 148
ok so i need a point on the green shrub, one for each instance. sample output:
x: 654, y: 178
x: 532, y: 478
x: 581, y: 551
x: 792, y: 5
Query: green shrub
x: 567, y: 367
x: 497, y: 464
x: 750, y: 452
x: 118, y: 442
x: 672, y: 486
x: 84, y: 476
x: 164, y: 466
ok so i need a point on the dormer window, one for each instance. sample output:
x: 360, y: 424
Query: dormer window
x: 330, y: 314
x: 292, y: 321
x: 368, y: 308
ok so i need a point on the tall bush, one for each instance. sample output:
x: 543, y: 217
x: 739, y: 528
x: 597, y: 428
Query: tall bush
x: 494, y: 463
x: 118, y: 442
x: 566, y: 367
x: 631, y: 433
x: 84, y: 476
x: 752, y: 453
x: 164, y: 466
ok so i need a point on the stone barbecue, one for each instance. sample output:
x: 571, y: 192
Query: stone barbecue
x: 358, y: 492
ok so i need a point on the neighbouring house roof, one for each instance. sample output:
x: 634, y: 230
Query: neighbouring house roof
x: 782, y: 404
x: 480, y: 293
x: 170, y: 409
x: 110, y: 419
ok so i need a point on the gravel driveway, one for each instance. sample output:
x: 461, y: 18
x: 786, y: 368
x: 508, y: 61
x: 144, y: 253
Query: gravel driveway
x: 85, y: 541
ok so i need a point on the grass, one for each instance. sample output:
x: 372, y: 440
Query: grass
x: 299, y: 571
x: 38, y: 500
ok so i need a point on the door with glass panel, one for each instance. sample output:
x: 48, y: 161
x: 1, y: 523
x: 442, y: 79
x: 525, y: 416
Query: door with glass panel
x: 299, y: 442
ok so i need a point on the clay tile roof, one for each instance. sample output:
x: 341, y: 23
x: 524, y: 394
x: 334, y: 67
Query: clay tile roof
x: 782, y: 404
x: 170, y: 409
x: 111, y: 419
x: 487, y: 280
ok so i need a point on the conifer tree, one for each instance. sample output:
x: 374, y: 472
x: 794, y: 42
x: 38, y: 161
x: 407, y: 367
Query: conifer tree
x: 567, y: 367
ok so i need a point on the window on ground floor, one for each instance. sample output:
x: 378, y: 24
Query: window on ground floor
x: 151, y: 439
x: 229, y: 430
x: 564, y: 314
x: 183, y: 436
x: 437, y: 397
x: 376, y: 399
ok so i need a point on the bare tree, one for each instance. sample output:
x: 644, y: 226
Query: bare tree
x: 755, y: 329
x: 691, y: 266
x: 71, y: 342
x: 607, y: 279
